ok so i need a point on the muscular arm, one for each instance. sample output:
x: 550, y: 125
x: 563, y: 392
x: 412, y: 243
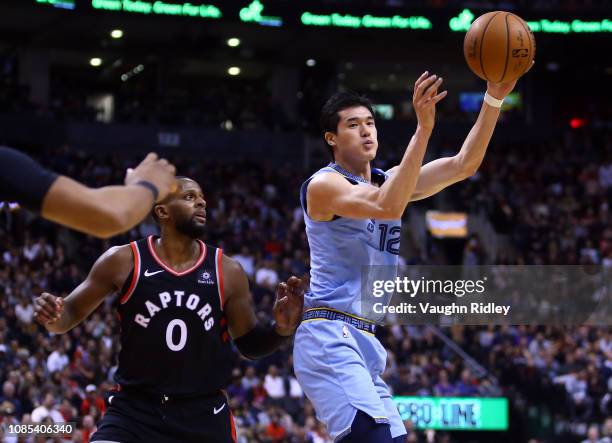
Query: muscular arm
x: 254, y: 340
x: 106, y: 276
x: 102, y: 212
x: 238, y: 308
x: 443, y: 172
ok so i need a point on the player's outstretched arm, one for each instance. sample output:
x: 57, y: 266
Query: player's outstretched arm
x: 253, y: 340
x: 443, y: 172
x: 59, y: 315
x: 330, y: 194
x: 110, y: 210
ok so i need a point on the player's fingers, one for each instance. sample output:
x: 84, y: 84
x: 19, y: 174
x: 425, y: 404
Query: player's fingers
x: 420, y: 79
x: 294, y: 281
x: 432, y: 90
x: 439, y: 97
x: 45, y: 309
x: 281, y: 290
x: 151, y: 157
x: 420, y: 90
x: 41, y: 317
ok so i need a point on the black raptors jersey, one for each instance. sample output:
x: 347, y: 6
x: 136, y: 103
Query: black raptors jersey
x: 174, y: 337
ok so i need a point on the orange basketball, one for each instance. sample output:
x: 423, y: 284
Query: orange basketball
x: 499, y: 46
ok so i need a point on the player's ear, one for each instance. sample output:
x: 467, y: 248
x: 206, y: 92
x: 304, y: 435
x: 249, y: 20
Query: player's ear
x: 330, y: 138
x: 161, y: 211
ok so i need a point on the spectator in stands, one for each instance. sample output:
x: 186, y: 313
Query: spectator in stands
x: 47, y: 409
x: 8, y: 398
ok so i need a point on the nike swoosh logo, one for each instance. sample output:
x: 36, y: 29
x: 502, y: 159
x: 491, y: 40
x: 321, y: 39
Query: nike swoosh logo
x: 216, y: 411
x: 149, y: 274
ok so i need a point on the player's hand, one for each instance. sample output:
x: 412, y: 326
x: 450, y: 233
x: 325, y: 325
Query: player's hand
x: 425, y: 97
x: 48, y: 308
x: 157, y: 171
x: 501, y: 90
x: 289, y: 305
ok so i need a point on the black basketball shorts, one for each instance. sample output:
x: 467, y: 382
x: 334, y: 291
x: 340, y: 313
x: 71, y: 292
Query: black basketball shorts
x: 133, y: 417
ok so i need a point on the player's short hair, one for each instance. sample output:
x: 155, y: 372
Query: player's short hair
x: 339, y: 102
x: 153, y: 214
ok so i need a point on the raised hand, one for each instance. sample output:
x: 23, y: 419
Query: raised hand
x: 501, y: 90
x: 159, y: 172
x: 425, y: 97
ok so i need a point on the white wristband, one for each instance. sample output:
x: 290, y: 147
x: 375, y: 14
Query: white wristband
x: 492, y: 101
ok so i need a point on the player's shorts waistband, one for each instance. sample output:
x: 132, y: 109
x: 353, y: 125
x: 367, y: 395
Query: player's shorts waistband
x: 331, y: 314
x: 166, y: 398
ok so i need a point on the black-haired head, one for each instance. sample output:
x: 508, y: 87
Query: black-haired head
x: 330, y: 113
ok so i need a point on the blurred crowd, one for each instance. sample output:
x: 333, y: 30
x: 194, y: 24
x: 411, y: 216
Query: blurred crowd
x: 548, y: 203
x: 559, y: 379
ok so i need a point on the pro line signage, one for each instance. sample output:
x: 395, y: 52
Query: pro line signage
x: 455, y: 413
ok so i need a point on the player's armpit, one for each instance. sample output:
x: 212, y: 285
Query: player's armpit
x: 331, y: 194
x: 105, y: 277
x: 238, y: 306
x: 437, y: 175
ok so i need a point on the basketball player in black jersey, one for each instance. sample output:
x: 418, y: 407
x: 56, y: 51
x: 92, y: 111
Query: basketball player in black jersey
x: 180, y: 302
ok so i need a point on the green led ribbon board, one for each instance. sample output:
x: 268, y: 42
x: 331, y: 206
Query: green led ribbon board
x: 158, y: 8
x: 564, y: 27
x: 252, y: 13
x: 62, y: 4
x: 463, y: 21
x: 455, y: 413
x: 365, y: 21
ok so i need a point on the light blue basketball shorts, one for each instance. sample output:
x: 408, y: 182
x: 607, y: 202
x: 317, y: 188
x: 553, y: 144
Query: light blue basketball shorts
x: 339, y: 368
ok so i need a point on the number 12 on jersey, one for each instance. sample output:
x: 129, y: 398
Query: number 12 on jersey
x: 389, y: 238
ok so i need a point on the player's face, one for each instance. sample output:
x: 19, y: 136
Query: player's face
x: 188, y: 209
x: 356, y: 136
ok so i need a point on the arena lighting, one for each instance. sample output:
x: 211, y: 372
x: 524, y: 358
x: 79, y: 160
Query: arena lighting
x: 116, y: 33
x: 233, y: 71
x: 158, y: 8
x: 95, y: 61
x: 365, y: 21
x: 463, y: 21
x: 131, y: 73
x: 455, y: 413
x: 576, y: 123
x: 233, y: 42
x: 311, y: 62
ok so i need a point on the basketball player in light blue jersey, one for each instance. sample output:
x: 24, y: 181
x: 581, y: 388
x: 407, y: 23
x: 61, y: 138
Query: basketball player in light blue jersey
x: 352, y: 214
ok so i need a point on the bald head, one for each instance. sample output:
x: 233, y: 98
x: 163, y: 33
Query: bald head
x: 184, y: 208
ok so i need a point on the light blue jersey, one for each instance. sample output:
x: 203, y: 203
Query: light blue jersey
x: 337, y: 359
x: 348, y: 255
